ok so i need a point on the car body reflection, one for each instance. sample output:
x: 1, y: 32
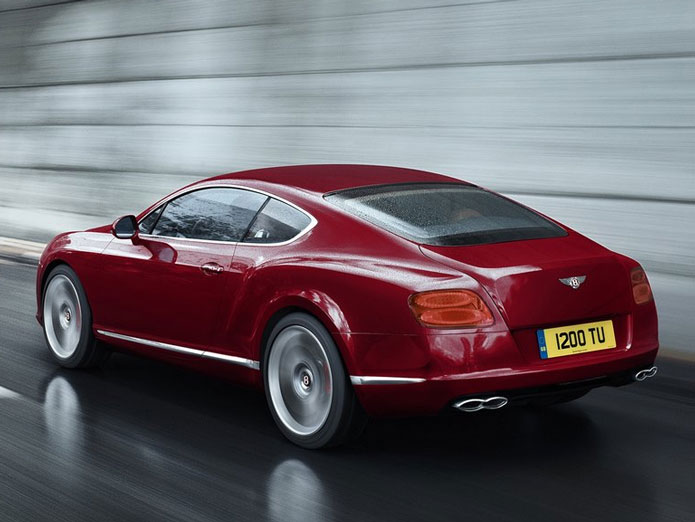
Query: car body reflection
x: 295, y: 493
x: 62, y: 415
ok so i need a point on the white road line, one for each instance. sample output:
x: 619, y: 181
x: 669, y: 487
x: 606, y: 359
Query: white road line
x: 21, y: 247
x: 8, y: 394
x: 18, y: 250
x: 21, y: 243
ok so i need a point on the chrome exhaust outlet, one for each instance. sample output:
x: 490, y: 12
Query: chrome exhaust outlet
x: 645, y: 374
x: 476, y: 404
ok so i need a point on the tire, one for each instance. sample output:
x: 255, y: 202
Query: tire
x: 307, y: 388
x: 67, y: 321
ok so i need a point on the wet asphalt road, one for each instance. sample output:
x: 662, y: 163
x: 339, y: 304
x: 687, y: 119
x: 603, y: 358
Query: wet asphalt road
x: 138, y: 439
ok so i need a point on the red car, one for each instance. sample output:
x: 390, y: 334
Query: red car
x: 345, y: 290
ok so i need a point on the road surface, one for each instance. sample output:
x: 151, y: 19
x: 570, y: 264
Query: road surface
x: 138, y: 439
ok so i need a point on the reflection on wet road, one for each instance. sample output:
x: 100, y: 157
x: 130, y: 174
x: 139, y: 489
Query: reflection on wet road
x: 137, y: 439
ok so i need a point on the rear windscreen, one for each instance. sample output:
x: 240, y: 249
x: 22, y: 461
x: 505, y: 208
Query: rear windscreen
x: 445, y: 214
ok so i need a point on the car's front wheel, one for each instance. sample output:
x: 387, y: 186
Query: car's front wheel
x: 308, y: 390
x: 67, y: 321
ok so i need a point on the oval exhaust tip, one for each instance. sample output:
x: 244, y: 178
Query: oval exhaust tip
x: 477, y: 404
x: 645, y: 374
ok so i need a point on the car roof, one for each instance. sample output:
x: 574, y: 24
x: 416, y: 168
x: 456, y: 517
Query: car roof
x: 330, y: 178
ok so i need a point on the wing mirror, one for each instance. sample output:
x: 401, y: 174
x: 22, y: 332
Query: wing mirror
x: 125, y: 227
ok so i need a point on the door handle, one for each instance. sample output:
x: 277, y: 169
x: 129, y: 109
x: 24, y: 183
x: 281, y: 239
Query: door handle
x: 212, y: 268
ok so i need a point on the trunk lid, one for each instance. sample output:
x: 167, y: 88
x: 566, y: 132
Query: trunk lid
x: 523, y: 278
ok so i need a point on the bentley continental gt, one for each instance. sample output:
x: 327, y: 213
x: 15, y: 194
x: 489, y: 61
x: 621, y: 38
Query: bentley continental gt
x: 349, y: 291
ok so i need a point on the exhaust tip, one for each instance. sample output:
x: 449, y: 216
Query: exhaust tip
x: 645, y: 374
x: 477, y: 404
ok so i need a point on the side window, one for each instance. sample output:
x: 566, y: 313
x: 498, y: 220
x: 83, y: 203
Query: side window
x: 148, y: 222
x: 277, y: 222
x: 216, y: 214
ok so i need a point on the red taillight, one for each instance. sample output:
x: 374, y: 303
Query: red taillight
x: 450, y: 308
x: 641, y: 290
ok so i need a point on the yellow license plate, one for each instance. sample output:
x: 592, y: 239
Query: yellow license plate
x: 578, y: 338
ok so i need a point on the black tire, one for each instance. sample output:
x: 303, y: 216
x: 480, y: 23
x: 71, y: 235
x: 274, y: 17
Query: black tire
x: 344, y: 417
x: 88, y: 352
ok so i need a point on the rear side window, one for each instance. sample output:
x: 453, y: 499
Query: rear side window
x: 277, y: 222
x: 215, y: 214
x: 445, y: 214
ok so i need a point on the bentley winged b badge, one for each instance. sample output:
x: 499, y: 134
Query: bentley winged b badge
x: 573, y: 282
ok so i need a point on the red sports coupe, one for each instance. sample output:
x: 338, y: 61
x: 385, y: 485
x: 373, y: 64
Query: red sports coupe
x: 349, y: 290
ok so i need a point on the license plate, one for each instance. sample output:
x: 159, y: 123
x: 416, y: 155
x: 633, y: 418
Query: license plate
x: 578, y: 338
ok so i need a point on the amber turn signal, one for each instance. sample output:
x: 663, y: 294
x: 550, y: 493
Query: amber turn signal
x: 450, y: 309
x: 641, y: 291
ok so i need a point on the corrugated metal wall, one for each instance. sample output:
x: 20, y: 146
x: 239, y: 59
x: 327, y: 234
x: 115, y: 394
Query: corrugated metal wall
x: 583, y: 109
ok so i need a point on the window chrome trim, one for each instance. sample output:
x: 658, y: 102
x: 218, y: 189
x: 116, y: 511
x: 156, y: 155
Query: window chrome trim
x: 371, y: 379
x: 232, y: 359
x: 312, y: 220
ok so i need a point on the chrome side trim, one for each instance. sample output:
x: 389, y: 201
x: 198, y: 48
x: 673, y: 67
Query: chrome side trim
x: 312, y: 220
x: 153, y: 344
x: 359, y: 380
x: 231, y: 359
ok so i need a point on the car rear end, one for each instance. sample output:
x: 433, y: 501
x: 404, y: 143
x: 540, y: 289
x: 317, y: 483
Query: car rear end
x: 554, y: 315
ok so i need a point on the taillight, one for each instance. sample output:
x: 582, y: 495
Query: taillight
x: 450, y: 308
x: 641, y: 290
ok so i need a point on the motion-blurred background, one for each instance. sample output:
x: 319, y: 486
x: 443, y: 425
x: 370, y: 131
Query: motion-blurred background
x: 583, y: 109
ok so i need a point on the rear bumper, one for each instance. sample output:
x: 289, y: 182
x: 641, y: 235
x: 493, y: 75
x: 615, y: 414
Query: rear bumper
x: 431, y: 395
x: 526, y: 396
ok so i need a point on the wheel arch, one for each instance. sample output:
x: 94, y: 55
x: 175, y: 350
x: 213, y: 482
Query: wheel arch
x: 43, y: 279
x: 317, y: 305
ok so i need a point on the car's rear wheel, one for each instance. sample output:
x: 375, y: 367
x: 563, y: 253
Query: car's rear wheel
x: 67, y: 321
x: 308, y: 390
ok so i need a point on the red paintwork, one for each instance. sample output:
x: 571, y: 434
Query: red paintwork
x: 356, y: 279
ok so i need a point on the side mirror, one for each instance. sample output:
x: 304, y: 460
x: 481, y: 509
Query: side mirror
x: 125, y: 227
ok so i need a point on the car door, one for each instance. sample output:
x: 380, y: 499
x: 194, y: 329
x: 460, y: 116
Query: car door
x: 167, y: 285
x: 267, y: 246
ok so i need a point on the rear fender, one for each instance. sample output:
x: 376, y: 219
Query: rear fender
x: 315, y: 303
